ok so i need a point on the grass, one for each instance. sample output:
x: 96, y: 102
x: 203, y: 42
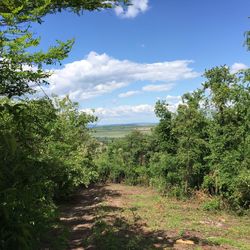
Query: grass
x: 183, y: 219
x: 115, y: 216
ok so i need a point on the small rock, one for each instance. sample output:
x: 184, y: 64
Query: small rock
x: 186, y: 242
x: 218, y: 224
x: 157, y: 245
x: 222, y: 220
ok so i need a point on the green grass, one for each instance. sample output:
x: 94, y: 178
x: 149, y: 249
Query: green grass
x: 119, y: 131
x: 181, y: 219
x: 135, y: 218
x: 168, y: 214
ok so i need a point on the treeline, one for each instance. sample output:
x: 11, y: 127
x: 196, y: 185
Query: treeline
x: 204, y: 145
x: 46, y: 153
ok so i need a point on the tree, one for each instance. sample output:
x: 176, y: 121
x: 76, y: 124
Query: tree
x: 46, y: 152
x: 190, y: 128
x: 20, y: 70
x: 163, y: 130
x: 227, y: 103
x: 45, y: 148
x: 204, y: 145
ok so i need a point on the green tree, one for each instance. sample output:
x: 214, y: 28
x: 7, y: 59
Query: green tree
x: 163, y: 131
x: 190, y: 128
x: 126, y: 159
x: 21, y: 70
x: 227, y: 103
x: 45, y: 148
x: 71, y: 147
x: 45, y: 153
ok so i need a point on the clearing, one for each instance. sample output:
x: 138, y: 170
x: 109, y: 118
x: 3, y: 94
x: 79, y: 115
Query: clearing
x: 115, y: 216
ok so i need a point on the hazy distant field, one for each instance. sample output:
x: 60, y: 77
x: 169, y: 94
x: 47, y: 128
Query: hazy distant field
x: 118, y: 131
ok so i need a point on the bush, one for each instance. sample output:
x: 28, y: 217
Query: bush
x: 241, y: 192
x: 213, y: 204
x: 45, y: 154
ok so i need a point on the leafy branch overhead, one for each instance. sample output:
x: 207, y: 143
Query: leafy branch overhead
x: 20, y: 70
x: 18, y: 11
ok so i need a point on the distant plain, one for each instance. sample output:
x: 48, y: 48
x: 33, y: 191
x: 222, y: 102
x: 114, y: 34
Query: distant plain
x: 119, y: 131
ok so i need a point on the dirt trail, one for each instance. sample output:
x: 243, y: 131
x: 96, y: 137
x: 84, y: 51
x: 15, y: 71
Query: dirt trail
x: 80, y: 214
x: 104, y: 218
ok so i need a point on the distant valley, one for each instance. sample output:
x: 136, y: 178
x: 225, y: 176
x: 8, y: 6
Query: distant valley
x: 120, y: 130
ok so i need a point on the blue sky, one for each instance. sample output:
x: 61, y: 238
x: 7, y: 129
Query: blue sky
x: 124, y: 60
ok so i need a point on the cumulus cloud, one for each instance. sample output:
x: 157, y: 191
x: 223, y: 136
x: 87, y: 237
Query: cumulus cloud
x: 129, y: 93
x: 120, y: 110
x: 236, y: 67
x: 173, y: 102
x: 136, y: 7
x: 148, y: 88
x: 158, y: 87
x: 124, y: 113
x: 173, y: 99
x: 98, y: 74
x: 131, y: 113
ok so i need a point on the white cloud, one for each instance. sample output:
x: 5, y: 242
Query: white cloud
x: 236, y: 67
x: 173, y: 102
x: 120, y: 110
x: 173, y: 99
x: 131, y: 113
x: 98, y: 74
x: 136, y: 7
x: 157, y: 88
x: 124, y: 113
x: 147, y: 88
x: 129, y: 93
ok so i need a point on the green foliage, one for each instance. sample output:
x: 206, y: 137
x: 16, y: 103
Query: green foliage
x: 20, y: 70
x: 241, y: 195
x: 163, y: 132
x: 204, y: 145
x: 213, y: 204
x: 228, y: 131
x: 125, y: 159
x: 45, y: 153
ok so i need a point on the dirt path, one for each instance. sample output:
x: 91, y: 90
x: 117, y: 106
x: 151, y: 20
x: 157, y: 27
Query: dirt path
x: 121, y: 217
x: 80, y: 215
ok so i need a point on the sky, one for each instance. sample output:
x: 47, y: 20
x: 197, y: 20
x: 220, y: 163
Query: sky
x: 124, y: 60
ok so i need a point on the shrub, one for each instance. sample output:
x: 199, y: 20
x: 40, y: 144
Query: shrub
x: 214, y: 204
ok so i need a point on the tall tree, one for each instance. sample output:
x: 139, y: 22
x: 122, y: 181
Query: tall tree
x: 190, y: 128
x: 228, y: 98
x: 163, y: 130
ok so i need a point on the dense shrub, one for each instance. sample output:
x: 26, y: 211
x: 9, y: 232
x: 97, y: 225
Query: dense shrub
x: 45, y: 153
